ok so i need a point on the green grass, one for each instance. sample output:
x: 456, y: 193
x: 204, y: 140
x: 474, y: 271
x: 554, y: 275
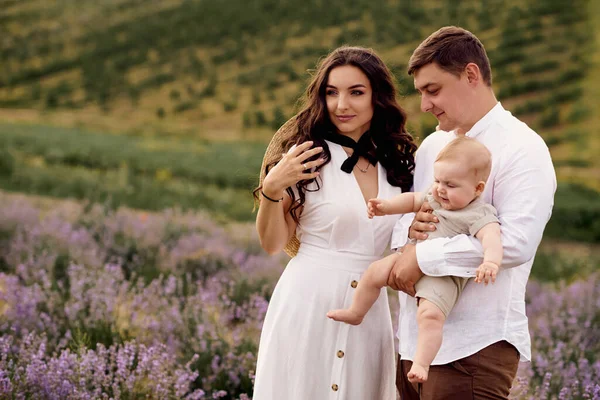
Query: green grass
x: 554, y: 266
x: 222, y: 164
x: 141, y: 172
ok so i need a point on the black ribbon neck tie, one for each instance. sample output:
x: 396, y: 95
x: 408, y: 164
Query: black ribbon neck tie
x: 360, y: 148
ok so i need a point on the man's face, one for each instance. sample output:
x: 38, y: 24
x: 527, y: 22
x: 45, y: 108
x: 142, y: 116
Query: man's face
x: 447, y: 96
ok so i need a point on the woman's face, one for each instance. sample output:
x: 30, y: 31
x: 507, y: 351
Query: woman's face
x: 349, y: 101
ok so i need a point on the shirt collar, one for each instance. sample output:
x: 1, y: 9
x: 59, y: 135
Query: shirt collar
x: 486, y: 121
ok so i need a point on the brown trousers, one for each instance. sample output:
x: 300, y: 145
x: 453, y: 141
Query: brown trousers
x: 487, y: 374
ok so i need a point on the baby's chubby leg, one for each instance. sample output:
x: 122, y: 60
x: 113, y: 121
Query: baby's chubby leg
x: 367, y: 291
x: 431, y: 325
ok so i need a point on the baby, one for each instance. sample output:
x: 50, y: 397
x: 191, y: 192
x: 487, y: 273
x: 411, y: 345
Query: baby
x: 460, y: 172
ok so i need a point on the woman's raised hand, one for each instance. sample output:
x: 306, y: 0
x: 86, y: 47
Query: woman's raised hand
x: 291, y: 169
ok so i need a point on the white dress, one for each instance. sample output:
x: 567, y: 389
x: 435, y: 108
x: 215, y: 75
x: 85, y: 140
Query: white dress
x: 303, y: 355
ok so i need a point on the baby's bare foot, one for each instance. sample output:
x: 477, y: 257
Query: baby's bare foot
x: 418, y: 373
x: 346, y: 316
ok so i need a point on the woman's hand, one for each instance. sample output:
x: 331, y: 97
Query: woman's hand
x: 424, y: 222
x: 291, y: 169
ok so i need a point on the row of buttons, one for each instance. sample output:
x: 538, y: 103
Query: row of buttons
x: 340, y: 353
x: 335, y: 387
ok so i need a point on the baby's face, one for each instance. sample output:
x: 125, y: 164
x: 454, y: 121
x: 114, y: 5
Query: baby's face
x: 455, y: 185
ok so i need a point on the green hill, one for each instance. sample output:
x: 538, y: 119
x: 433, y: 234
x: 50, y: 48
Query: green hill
x: 204, y: 72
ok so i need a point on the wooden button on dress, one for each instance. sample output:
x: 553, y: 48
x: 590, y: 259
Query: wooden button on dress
x: 334, y: 387
x: 340, y: 354
x: 354, y: 284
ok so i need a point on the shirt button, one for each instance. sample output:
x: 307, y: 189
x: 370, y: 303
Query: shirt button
x: 334, y: 387
x: 340, y: 354
x: 354, y: 284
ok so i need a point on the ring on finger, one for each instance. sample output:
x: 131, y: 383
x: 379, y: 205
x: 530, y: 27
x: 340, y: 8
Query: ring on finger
x: 304, y: 166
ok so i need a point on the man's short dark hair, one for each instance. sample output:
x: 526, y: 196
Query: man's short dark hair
x: 452, y: 48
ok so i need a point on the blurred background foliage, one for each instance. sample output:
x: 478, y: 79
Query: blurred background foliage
x: 154, y: 104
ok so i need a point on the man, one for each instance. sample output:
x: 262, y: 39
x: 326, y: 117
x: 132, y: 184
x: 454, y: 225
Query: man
x: 486, y: 333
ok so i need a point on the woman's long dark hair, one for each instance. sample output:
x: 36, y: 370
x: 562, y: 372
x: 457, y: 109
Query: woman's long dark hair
x: 393, y: 146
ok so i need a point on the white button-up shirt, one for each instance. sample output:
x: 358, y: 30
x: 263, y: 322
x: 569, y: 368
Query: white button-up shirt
x: 521, y: 186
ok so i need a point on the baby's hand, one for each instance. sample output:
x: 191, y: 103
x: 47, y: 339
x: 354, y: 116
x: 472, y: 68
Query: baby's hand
x: 486, y: 272
x: 376, y: 207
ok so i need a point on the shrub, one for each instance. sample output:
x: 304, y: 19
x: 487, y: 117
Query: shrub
x: 279, y: 118
x: 578, y: 113
x: 7, y: 162
x: 565, y: 95
x: 174, y: 94
x: 530, y: 107
x: 134, y: 95
x: 550, y: 118
x: 246, y: 120
x: 534, y: 66
x: 576, y: 214
x: 184, y: 106
x: 521, y: 87
x: 156, y: 81
x: 428, y: 125
x: 571, y: 75
x: 211, y: 87
x: 230, y: 105
x: 36, y: 91
x: 563, y: 137
x: 260, y: 118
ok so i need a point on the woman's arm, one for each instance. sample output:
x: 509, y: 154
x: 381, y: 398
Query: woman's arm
x: 274, y: 224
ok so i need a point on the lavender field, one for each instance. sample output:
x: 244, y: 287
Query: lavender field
x: 99, y: 304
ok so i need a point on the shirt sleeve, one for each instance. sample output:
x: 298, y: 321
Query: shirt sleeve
x: 523, y: 194
x: 486, y: 215
x: 400, y: 232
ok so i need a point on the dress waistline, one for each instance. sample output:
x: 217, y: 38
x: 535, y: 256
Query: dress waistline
x: 345, y: 261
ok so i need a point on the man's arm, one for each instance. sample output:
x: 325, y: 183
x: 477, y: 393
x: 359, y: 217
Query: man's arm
x: 523, y: 194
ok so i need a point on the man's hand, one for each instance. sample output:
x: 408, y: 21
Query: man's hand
x: 424, y: 222
x: 406, y: 272
x: 486, y: 273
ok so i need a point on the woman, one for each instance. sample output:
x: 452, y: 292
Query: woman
x: 347, y: 145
